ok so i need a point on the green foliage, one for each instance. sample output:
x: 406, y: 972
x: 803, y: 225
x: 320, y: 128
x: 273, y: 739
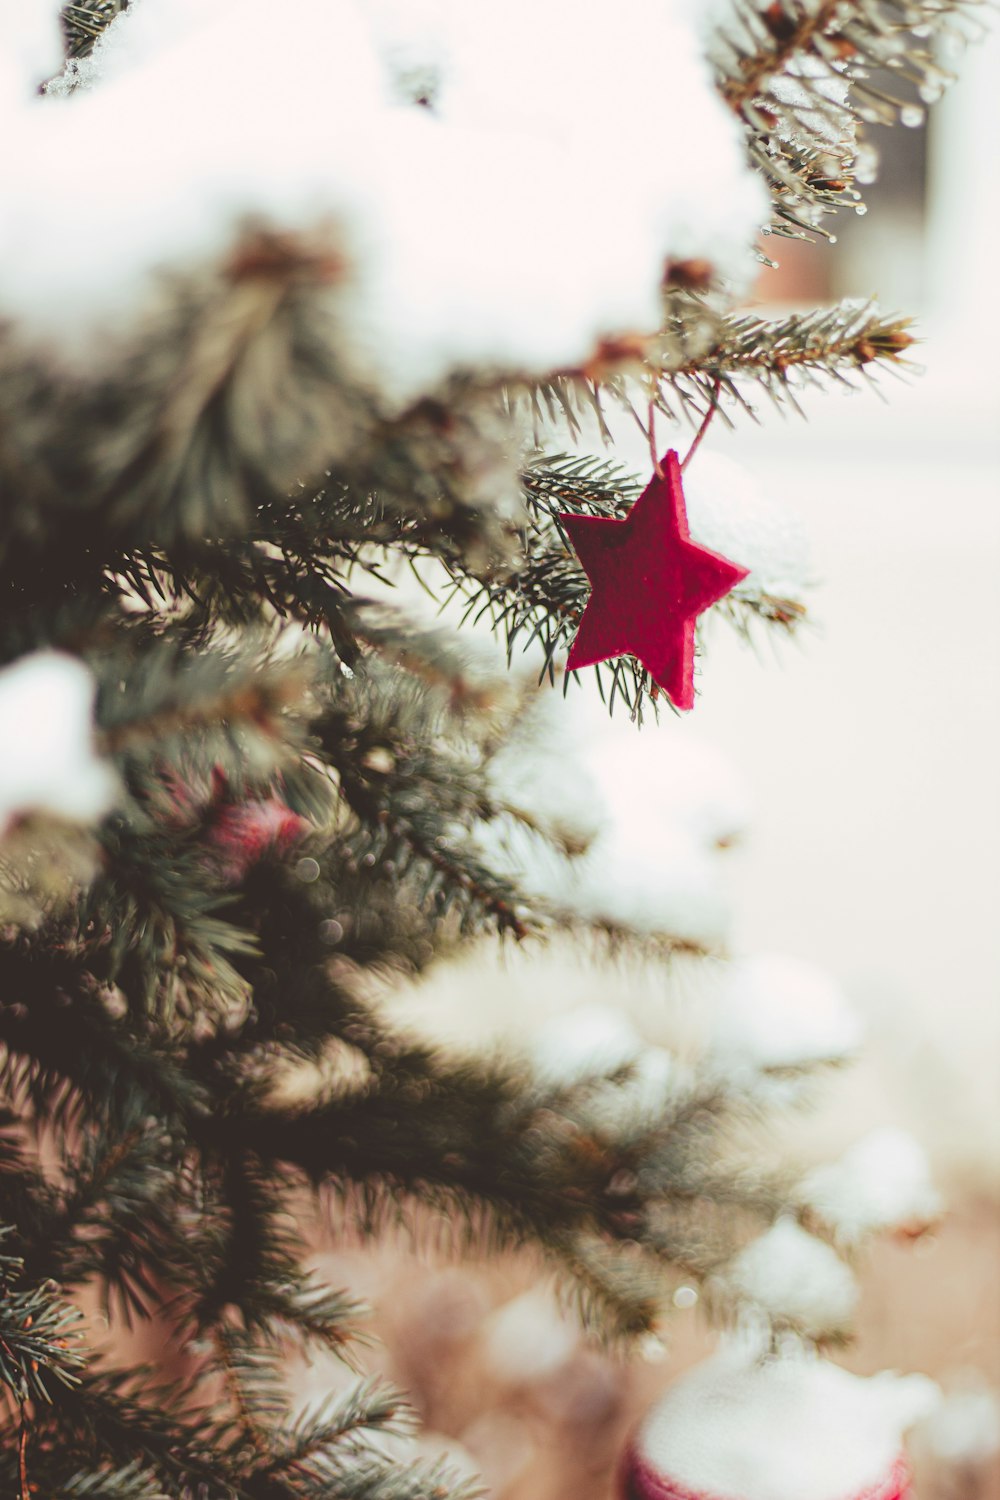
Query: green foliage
x: 39, y: 1333
x: 734, y: 361
x: 539, y: 603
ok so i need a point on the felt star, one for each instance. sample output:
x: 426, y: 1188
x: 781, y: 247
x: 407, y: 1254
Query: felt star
x: 650, y: 583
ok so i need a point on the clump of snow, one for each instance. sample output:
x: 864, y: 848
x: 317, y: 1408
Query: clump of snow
x: 652, y: 812
x: 882, y: 1183
x: 729, y: 513
x: 670, y: 806
x: 412, y: 38
x: 295, y: 124
x: 664, y: 779
x: 31, y: 49
x: 560, y: 88
x: 789, y: 1276
x: 530, y: 770
x: 47, y: 757
x: 774, y: 1012
x: 584, y: 1043
x: 781, y: 1429
x: 591, y: 1041
x: 621, y: 881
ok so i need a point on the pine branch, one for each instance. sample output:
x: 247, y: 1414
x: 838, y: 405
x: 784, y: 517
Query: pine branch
x: 196, y: 739
x: 164, y: 697
x: 807, y: 184
x: 100, y: 1424
x: 555, y: 1168
x: 765, y: 42
x: 315, y: 1440
x: 457, y: 687
x: 168, y: 948
x: 28, y: 1201
x: 808, y: 74
x: 830, y: 342
x: 189, y: 437
x: 301, y: 1000
x: 311, y: 1311
x: 415, y: 795
x: 331, y: 1452
x: 409, y: 790
x: 681, y: 376
x: 298, y: 563
x: 616, y: 1297
x: 113, y: 1226
x: 365, y: 754
x: 65, y: 1050
x: 254, y: 1392
x: 252, y: 1264
x: 84, y: 21
x: 133, y: 1482
x: 39, y: 1335
x: 370, y: 1477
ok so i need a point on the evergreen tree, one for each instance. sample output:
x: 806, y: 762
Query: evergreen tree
x: 292, y: 294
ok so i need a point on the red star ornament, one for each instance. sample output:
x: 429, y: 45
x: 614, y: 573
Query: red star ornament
x: 650, y: 582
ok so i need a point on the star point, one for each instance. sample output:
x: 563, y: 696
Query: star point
x: 649, y: 583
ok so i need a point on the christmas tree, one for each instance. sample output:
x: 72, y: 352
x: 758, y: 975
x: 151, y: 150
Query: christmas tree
x: 298, y: 301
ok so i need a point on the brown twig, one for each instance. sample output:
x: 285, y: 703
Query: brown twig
x: 22, y: 1459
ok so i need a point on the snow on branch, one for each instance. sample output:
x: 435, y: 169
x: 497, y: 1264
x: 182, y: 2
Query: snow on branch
x: 804, y: 75
x: 780, y: 62
x: 84, y: 22
x: 882, y: 1183
x: 798, y: 349
x: 30, y: 44
x: 778, y: 1015
x: 306, y: 135
x: 778, y: 1429
x: 48, y: 761
x: 698, y: 359
x: 787, y: 1277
